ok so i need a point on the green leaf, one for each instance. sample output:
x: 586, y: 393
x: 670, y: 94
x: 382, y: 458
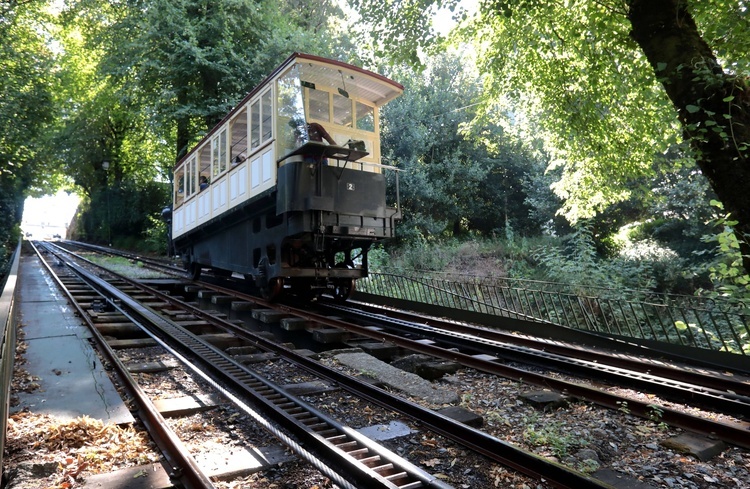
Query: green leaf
x: 692, y: 108
x: 728, y: 99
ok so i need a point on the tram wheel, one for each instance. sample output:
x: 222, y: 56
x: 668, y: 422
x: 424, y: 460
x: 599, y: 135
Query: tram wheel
x: 343, y: 289
x: 194, y: 270
x: 273, y: 290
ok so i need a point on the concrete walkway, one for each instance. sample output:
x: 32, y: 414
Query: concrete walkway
x: 71, y: 378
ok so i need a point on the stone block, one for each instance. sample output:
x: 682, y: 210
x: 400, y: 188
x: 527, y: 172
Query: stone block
x: 152, y: 476
x: 256, y: 357
x: 698, y: 446
x: 151, y: 367
x: 138, y: 343
x: 222, y: 299
x: 243, y: 306
x: 545, y: 399
x: 269, y: 316
x: 294, y: 324
x: 380, y: 350
x: 330, y: 335
x: 185, y: 406
x: 462, y: 416
x: 620, y: 480
x: 308, y: 388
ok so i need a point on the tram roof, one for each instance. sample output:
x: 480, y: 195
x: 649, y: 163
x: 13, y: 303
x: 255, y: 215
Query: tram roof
x: 363, y: 84
x: 360, y: 83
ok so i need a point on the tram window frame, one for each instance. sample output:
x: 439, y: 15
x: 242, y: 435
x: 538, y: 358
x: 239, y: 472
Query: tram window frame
x: 204, y: 158
x: 342, y: 110
x: 179, y: 186
x: 318, y: 108
x: 255, y: 125
x: 239, y: 129
x: 366, y: 114
x: 290, y: 111
x: 266, y: 114
x: 219, y: 153
x: 191, y: 177
x: 204, y: 170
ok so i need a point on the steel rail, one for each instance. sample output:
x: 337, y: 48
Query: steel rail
x: 731, y: 401
x: 504, y: 453
x: 182, y: 465
x: 367, y: 463
x: 497, y: 450
x: 713, y: 380
x: 148, y: 262
x: 734, y: 433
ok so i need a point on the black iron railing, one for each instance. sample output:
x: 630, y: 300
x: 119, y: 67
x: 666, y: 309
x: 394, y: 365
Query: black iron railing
x: 683, y: 320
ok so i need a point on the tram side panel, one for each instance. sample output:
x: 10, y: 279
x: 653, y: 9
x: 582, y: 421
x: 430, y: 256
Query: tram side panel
x: 258, y: 237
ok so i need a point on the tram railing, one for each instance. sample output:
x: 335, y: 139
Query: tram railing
x: 683, y: 320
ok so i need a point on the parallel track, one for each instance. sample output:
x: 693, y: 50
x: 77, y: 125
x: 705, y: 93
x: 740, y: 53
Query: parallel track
x: 340, y: 443
x: 346, y: 457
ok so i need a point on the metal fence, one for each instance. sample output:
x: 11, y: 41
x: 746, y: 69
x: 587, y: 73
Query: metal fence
x: 683, y: 320
x: 7, y: 343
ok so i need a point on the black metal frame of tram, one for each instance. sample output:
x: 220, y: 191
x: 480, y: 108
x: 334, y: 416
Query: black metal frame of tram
x: 305, y: 233
x: 308, y: 228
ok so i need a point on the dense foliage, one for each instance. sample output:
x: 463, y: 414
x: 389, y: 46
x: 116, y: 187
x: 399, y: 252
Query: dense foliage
x: 457, y: 178
x: 26, y: 87
x: 551, y: 141
x: 611, y: 83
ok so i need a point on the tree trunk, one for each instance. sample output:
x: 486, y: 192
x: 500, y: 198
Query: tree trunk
x: 713, y: 105
x: 183, y: 127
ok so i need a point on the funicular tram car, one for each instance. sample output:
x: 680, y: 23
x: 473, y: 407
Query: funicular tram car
x: 260, y: 196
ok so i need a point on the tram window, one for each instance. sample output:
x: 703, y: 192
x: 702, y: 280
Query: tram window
x: 318, y: 105
x: 219, y: 152
x: 267, y: 115
x: 290, y: 119
x: 223, y: 151
x: 205, y: 171
x: 365, y: 117
x: 190, y: 177
x: 215, y: 155
x: 239, y: 138
x: 342, y: 110
x: 255, y: 125
x: 179, y: 186
x: 204, y: 157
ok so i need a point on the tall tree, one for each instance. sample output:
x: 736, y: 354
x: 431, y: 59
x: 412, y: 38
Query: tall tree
x: 712, y: 103
x: 615, y: 81
x: 25, y: 110
x: 189, y: 62
x: 457, y: 176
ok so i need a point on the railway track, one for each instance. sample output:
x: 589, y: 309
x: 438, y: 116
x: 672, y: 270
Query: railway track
x: 349, y: 459
x: 354, y: 457
x: 488, y: 350
x: 718, y: 391
x: 492, y: 351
